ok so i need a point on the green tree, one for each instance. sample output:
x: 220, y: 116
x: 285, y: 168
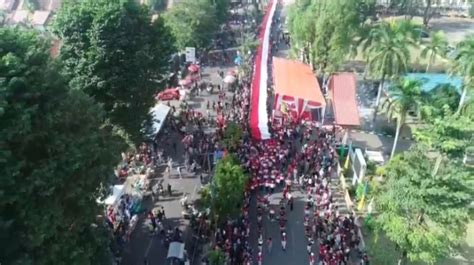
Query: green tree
x: 438, y: 46
x: 404, y: 96
x: 232, y: 136
x: 437, y: 101
x: 113, y: 52
x: 248, y: 44
x: 463, y: 65
x: 424, y: 214
x: 54, y: 154
x: 227, y: 189
x: 449, y: 134
x: 192, y: 23
x: 322, y: 31
x: 386, y: 48
x: 216, y: 257
x: 221, y: 8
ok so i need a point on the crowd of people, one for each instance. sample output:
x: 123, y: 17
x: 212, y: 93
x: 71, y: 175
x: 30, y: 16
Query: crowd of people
x: 298, y: 159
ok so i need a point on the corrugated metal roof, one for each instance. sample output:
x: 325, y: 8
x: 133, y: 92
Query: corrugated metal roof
x: 344, y: 104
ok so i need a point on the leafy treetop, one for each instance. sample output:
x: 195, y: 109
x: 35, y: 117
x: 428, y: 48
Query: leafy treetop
x: 226, y: 190
x: 115, y: 53
x: 425, y: 214
x: 55, y: 153
x: 192, y: 23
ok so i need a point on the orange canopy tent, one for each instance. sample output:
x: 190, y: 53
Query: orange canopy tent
x: 296, y: 88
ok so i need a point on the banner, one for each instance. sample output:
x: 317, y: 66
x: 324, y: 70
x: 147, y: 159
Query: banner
x: 259, y: 94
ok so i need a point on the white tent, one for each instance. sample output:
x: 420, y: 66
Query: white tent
x: 176, y: 250
x: 117, y: 191
x: 158, y: 114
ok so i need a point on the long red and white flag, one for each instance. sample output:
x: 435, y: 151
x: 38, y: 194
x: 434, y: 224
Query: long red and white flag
x: 259, y: 96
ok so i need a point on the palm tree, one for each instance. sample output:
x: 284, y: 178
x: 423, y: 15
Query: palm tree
x: 438, y: 46
x: 405, y: 96
x: 463, y: 65
x: 386, y: 48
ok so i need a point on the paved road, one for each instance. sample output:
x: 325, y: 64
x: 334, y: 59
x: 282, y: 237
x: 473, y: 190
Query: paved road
x: 142, y: 244
x: 296, y: 241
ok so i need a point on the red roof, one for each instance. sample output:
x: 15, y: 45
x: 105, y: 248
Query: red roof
x: 344, y: 104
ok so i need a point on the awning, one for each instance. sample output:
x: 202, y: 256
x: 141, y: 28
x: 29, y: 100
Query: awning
x: 293, y: 79
x: 158, y: 114
x: 344, y: 104
x: 117, y: 192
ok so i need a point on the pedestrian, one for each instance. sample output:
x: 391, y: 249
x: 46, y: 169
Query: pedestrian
x: 170, y: 164
x: 169, y: 189
x: 312, y: 259
x: 160, y: 189
x: 283, y: 241
x: 269, y: 244
x: 309, y: 246
x: 291, y: 203
x: 178, y: 168
x: 162, y: 210
x: 201, y: 179
x: 260, y: 243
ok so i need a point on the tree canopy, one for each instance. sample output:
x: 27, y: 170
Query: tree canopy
x: 226, y: 190
x: 386, y: 47
x: 232, y: 136
x: 449, y: 134
x: 438, y: 101
x: 405, y: 96
x: 438, y: 46
x: 463, y: 65
x: 216, y: 257
x: 322, y: 30
x: 114, y: 52
x: 192, y: 23
x: 425, y: 214
x: 55, y: 154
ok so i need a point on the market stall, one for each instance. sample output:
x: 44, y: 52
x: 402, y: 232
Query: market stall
x: 159, y: 114
x: 124, y: 206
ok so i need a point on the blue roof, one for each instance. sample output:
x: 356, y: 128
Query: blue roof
x: 431, y: 81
